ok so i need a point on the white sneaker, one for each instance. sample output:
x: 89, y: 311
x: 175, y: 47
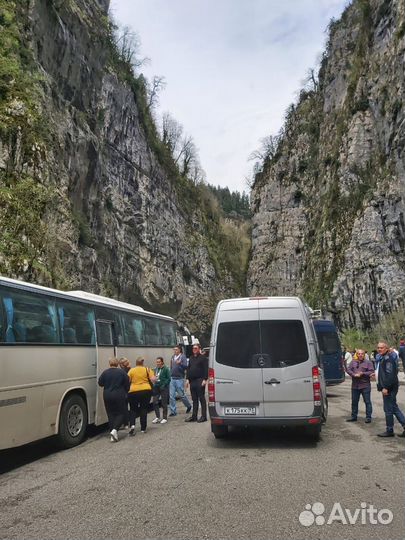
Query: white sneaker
x: 156, y: 421
x: 164, y: 421
x: 112, y: 439
x: 114, y: 435
x: 143, y: 431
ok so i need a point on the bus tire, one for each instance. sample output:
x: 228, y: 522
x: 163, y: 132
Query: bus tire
x: 220, y: 432
x: 72, y: 421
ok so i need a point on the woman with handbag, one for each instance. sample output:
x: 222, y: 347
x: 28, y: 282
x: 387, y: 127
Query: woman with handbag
x: 142, y: 380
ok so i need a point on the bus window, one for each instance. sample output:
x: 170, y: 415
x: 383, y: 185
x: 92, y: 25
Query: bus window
x: 30, y: 318
x: 328, y: 342
x: 2, y: 327
x: 102, y: 329
x: 168, y: 334
x: 104, y: 333
x: 133, y: 329
x: 76, y: 323
x: 152, y: 331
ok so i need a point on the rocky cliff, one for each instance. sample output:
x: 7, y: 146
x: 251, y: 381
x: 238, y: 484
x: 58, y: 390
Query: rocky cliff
x: 329, y: 203
x: 89, y: 199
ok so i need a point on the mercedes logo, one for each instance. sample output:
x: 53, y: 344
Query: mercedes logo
x: 261, y: 361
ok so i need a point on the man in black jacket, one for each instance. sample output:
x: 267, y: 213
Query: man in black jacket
x: 197, y: 376
x: 401, y: 352
x: 387, y: 383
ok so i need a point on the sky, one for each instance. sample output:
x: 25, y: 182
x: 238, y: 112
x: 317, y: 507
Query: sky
x: 232, y: 67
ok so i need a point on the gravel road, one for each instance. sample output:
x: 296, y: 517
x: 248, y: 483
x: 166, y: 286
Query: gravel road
x: 177, y: 482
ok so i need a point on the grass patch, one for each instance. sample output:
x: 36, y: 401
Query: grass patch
x: 390, y: 329
x: 23, y: 233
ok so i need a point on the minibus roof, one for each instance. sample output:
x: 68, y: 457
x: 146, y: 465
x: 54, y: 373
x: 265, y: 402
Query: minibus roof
x: 256, y: 302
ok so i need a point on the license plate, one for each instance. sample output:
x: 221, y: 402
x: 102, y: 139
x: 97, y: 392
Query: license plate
x: 240, y: 410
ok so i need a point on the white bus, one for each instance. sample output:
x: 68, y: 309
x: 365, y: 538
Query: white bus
x: 53, y: 346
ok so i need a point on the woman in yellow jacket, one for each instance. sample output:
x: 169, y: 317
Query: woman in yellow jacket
x: 141, y: 379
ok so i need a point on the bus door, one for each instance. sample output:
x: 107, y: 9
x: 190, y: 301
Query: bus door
x: 107, y: 347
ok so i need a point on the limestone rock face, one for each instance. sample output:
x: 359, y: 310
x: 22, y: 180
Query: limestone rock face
x: 329, y: 206
x: 119, y: 224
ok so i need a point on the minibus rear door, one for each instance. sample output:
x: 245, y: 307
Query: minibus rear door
x: 287, y: 375
x: 238, y: 364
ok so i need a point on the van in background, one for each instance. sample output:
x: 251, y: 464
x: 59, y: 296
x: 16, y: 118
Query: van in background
x: 264, y: 366
x: 331, y: 351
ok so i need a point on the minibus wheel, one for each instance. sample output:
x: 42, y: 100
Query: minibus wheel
x: 72, y: 421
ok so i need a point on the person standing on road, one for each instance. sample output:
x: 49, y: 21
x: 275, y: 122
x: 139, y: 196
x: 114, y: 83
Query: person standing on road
x: 361, y: 371
x: 178, y: 366
x: 197, y: 375
x: 161, y: 390
x: 116, y: 385
x: 347, y: 358
x: 142, y: 380
x: 125, y: 364
x: 401, y: 352
x: 387, y: 383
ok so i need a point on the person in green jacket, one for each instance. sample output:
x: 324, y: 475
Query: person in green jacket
x: 161, y: 390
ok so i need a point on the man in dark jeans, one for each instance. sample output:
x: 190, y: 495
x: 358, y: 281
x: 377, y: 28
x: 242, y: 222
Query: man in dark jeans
x: 360, y: 371
x: 161, y: 390
x: 401, y: 352
x: 387, y: 383
x: 197, y: 376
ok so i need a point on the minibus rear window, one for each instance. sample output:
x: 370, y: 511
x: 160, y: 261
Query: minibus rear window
x: 284, y: 342
x: 328, y: 342
x: 237, y: 343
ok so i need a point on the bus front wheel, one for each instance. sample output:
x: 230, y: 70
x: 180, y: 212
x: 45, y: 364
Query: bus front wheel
x: 72, y: 421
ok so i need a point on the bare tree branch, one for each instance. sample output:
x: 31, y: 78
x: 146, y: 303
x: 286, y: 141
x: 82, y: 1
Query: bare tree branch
x: 311, y: 82
x: 128, y: 45
x: 182, y: 149
x: 157, y: 84
x: 186, y: 150
x: 267, y: 150
x: 172, y: 132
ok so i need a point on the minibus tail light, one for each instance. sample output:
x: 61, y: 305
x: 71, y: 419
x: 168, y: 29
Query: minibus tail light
x: 211, y: 385
x: 316, y: 386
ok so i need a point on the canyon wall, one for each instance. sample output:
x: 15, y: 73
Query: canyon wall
x: 329, y: 202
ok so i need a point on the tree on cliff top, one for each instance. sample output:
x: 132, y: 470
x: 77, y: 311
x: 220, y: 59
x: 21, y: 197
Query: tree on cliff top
x: 128, y: 44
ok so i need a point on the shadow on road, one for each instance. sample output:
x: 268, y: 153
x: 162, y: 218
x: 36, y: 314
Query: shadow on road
x: 264, y: 438
x: 22, y: 455
x: 17, y: 457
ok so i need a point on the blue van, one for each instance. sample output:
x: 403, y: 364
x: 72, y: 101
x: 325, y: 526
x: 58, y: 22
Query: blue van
x: 331, y: 351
